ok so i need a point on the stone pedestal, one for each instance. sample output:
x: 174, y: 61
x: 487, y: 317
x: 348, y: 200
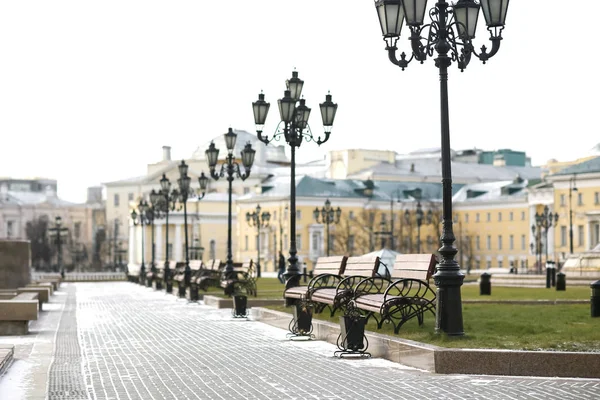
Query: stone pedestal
x: 15, y: 263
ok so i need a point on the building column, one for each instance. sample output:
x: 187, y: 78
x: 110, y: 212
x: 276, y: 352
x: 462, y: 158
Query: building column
x: 131, y: 255
x: 159, y: 243
x: 178, y: 246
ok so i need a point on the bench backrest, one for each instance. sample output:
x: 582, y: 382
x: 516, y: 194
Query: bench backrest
x: 216, y: 264
x: 334, y: 265
x: 415, y: 266
x: 362, y: 266
x: 246, y: 266
x: 195, y: 265
x: 26, y: 296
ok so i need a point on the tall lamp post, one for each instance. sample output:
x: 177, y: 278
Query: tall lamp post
x: 185, y: 192
x: 572, y: 188
x: 544, y: 220
x: 169, y: 200
x: 140, y: 218
x: 419, y: 219
x: 294, y: 127
x: 58, y: 232
x: 259, y: 220
x: 450, y: 35
x: 327, y: 215
x: 152, y: 214
x: 230, y: 168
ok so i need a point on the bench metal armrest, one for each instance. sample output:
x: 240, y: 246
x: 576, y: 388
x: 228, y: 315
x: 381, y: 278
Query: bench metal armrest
x: 373, y: 285
x: 349, y: 282
x: 323, y: 281
x: 409, y: 287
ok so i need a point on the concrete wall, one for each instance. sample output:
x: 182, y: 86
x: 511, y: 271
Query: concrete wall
x: 15, y: 263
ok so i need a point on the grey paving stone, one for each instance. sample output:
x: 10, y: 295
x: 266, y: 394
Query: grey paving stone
x: 136, y: 343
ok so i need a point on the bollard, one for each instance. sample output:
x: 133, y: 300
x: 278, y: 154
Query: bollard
x: 548, y: 275
x: 485, y: 286
x: 304, y: 274
x: 553, y: 275
x: 595, y: 299
x: 561, y: 281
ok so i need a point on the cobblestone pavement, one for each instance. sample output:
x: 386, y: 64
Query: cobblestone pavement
x: 135, y: 343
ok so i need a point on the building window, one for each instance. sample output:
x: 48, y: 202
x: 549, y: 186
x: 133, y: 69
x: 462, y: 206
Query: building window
x: 489, y: 242
x: 596, y: 198
x: 499, y: 242
x: 246, y: 242
x: 499, y: 263
x: 332, y: 243
x: 246, y: 190
x: 77, y: 230
x: 523, y: 242
x: 563, y: 236
x: 499, y: 216
x: 170, y: 251
x: 298, y: 214
x: 477, y: 264
x: 116, y: 200
x: 466, y: 218
x: 9, y: 229
x: 488, y: 264
x: 315, y: 241
x: 563, y: 200
x: 298, y: 242
x: 350, y: 244
x: 351, y: 215
x: 256, y: 239
x: 130, y: 197
x: 522, y: 215
x: 477, y: 217
x: 477, y: 243
x: 579, y: 199
x: 212, y: 252
x: 580, y: 235
x: 510, y: 216
x: 489, y: 217
x: 286, y: 242
x: 511, y: 242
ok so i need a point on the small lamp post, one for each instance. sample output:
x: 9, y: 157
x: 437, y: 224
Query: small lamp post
x: 545, y: 220
x: 259, y: 220
x: 168, y: 201
x: 294, y: 127
x: 140, y: 218
x: 327, y: 215
x: 230, y: 168
x: 449, y: 36
x: 420, y: 217
x: 58, y: 232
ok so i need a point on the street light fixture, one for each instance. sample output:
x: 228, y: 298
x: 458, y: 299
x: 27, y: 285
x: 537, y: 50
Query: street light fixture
x: 230, y: 168
x: 327, y: 215
x: 185, y: 193
x: 449, y: 34
x: 294, y: 116
x: 58, y: 232
x: 419, y: 217
x: 259, y: 220
x: 572, y: 188
x: 544, y: 220
x: 168, y: 202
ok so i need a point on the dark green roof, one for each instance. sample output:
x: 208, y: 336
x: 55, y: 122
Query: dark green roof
x: 586, y: 167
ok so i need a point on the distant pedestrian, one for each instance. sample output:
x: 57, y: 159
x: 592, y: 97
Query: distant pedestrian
x: 281, y: 268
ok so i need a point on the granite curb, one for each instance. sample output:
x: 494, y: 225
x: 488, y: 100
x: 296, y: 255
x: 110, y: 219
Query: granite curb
x: 6, y: 357
x: 455, y: 361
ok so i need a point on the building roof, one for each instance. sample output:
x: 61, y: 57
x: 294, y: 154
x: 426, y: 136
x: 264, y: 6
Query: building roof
x: 586, y: 167
x: 34, y: 198
x: 492, y: 191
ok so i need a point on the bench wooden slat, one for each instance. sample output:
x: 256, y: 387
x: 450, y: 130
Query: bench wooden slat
x: 334, y: 265
x: 416, y: 266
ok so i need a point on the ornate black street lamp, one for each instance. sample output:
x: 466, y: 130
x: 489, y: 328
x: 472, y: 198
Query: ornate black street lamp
x: 169, y: 200
x: 58, y: 232
x: 420, y: 217
x: 572, y: 188
x: 230, y: 168
x: 449, y: 35
x: 185, y: 193
x: 140, y: 218
x: 259, y: 220
x: 294, y: 117
x: 545, y: 220
x: 327, y: 215
x: 153, y: 212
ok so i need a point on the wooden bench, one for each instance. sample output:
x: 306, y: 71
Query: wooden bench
x: 150, y: 275
x: 15, y: 313
x: 210, y: 274
x: 406, y: 295
x: 327, y: 272
x: 336, y: 297
x: 242, y: 280
x: 160, y: 275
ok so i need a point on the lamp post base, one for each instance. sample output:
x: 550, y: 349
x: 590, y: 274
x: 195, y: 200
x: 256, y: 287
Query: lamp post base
x: 449, y: 318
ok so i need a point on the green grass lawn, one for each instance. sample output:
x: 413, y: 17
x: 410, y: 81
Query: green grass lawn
x: 566, y: 327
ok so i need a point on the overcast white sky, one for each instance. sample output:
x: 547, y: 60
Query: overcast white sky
x: 91, y: 90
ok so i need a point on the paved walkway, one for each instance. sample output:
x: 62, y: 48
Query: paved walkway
x: 123, y: 341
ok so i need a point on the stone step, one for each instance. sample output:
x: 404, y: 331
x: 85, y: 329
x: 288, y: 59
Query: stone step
x: 6, y: 356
